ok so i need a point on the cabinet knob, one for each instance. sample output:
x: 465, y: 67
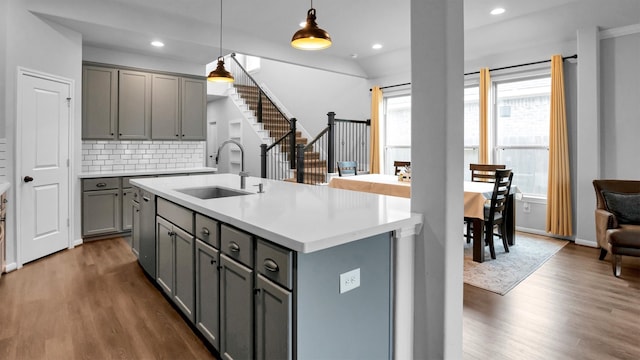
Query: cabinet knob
x: 170, y: 233
x: 234, y: 247
x: 213, y: 261
x: 271, y: 265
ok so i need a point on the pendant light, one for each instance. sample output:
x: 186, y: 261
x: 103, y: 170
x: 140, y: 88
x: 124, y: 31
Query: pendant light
x: 311, y: 37
x: 220, y: 74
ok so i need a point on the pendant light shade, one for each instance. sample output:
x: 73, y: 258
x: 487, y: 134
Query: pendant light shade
x: 220, y: 74
x: 311, y: 37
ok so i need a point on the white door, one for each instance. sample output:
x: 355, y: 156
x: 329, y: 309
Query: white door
x: 42, y: 166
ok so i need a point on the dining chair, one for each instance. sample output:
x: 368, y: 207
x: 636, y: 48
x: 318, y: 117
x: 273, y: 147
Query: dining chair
x: 347, y: 168
x: 484, y: 172
x: 399, y: 165
x: 495, y: 211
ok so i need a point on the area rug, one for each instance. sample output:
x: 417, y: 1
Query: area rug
x: 509, y: 269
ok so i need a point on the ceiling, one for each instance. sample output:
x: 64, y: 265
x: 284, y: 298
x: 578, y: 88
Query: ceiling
x: 190, y: 29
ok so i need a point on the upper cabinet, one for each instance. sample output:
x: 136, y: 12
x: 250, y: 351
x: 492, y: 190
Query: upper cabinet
x: 194, y: 109
x: 134, y: 105
x: 99, y: 103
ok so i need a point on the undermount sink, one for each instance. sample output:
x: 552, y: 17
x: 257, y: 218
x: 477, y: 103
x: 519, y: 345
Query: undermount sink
x: 212, y: 192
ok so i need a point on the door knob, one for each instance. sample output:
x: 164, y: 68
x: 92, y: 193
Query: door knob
x: 28, y: 179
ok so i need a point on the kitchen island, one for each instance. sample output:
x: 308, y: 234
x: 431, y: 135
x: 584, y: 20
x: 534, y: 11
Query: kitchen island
x: 335, y: 266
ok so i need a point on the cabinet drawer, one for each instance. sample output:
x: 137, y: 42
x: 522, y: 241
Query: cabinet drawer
x: 237, y: 244
x: 275, y: 263
x: 176, y: 214
x: 100, y: 184
x: 207, y: 230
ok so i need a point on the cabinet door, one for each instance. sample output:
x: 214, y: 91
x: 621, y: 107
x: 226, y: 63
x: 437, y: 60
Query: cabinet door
x: 100, y: 212
x: 164, y: 250
x: 207, y: 292
x: 165, y: 107
x: 99, y: 103
x: 127, y: 213
x: 273, y: 321
x: 134, y: 105
x: 135, y: 227
x: 183, y: 289
x: 236, y: 310
x: 194, y: 109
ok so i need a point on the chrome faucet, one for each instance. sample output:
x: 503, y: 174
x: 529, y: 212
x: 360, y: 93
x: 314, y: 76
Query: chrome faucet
x: 242, y: 173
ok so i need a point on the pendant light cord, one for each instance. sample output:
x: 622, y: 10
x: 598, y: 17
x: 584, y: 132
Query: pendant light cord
x: 221, y: 29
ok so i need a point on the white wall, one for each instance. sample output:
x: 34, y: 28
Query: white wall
x: 50, y: 48
x: 3, y: 65
x: 121, y: 58
x: 620, y: 109
x: 311, y: 93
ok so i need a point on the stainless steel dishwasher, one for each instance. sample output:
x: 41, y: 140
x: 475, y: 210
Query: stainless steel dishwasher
x: 147, y: 256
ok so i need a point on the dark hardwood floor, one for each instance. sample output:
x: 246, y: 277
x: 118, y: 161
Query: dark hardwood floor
x: 571, y: 308
x: 94, y: 302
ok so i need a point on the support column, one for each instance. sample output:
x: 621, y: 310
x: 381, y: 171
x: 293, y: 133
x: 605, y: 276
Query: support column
x: 437, y: 59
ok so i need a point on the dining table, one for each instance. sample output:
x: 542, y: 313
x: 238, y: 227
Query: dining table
x: 476, y: 195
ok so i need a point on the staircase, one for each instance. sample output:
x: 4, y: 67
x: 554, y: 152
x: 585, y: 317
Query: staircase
x: 277, y: 125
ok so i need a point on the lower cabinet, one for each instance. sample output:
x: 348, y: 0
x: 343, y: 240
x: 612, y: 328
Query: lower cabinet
x: 135, y: 228
x: 236, y: 309
x: 273, y: 320
x: 208, y: 292
x: 175, y: 265
x: 127, y: 216
x: 100, y: 212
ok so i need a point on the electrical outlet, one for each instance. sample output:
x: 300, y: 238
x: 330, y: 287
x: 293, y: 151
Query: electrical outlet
x: 349, y: 280
x: 526, y: 207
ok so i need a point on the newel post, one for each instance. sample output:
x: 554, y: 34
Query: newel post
x: 331, y: 152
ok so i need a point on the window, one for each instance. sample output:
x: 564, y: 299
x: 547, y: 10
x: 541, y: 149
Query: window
x: 522, y: 132
x: 397, y: 139
x: 471, y: 128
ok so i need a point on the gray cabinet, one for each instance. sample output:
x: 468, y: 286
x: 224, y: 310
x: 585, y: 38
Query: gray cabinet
x: 273, y: 303
x: 175, y: 255
x: 207, y: 292
x: 274, y: 328
x: 236, y: 293
x: 165, y: 107
x: 135, y: 228
x: 236, y: 309
x: 127, y: 209
x: 99, y: 103
x: 101, y: 206
x: 193, y: 120
x: 178, y: 108
x: 134, y: 105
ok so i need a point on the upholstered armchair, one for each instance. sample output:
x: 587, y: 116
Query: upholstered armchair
x: 617, y: 219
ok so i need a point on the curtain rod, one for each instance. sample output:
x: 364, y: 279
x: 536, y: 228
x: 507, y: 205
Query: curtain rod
x: 391, y: 86
x: 575, y: 56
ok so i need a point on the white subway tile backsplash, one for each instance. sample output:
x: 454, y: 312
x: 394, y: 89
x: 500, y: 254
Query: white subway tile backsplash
x: 105, y: 155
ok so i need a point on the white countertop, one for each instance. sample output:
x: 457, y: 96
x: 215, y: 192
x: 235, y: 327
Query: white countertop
x: 114, y: 173
x: 304, y: 218
x: 4, y: 186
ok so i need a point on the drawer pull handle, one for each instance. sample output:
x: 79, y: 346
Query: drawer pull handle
x: 101, y: 185
x: 145, y: 198
x: 271, y: 265
x: 205, y: 231
x: 234, y: 247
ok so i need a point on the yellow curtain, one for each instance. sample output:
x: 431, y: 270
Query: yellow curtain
x: 485, y: 90
x: 559, y: 218
x: 374, y: 152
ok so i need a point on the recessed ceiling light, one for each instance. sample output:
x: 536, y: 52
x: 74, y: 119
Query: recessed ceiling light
x: 157, y: 43
x: 376, y: 46
x: 497, y: 11
x: 354, y: 56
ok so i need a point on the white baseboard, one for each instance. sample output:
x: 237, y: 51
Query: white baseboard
x: 590, y: 243
x: 10, y: 267
x: 543, y: 233
x: 77, y: 242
